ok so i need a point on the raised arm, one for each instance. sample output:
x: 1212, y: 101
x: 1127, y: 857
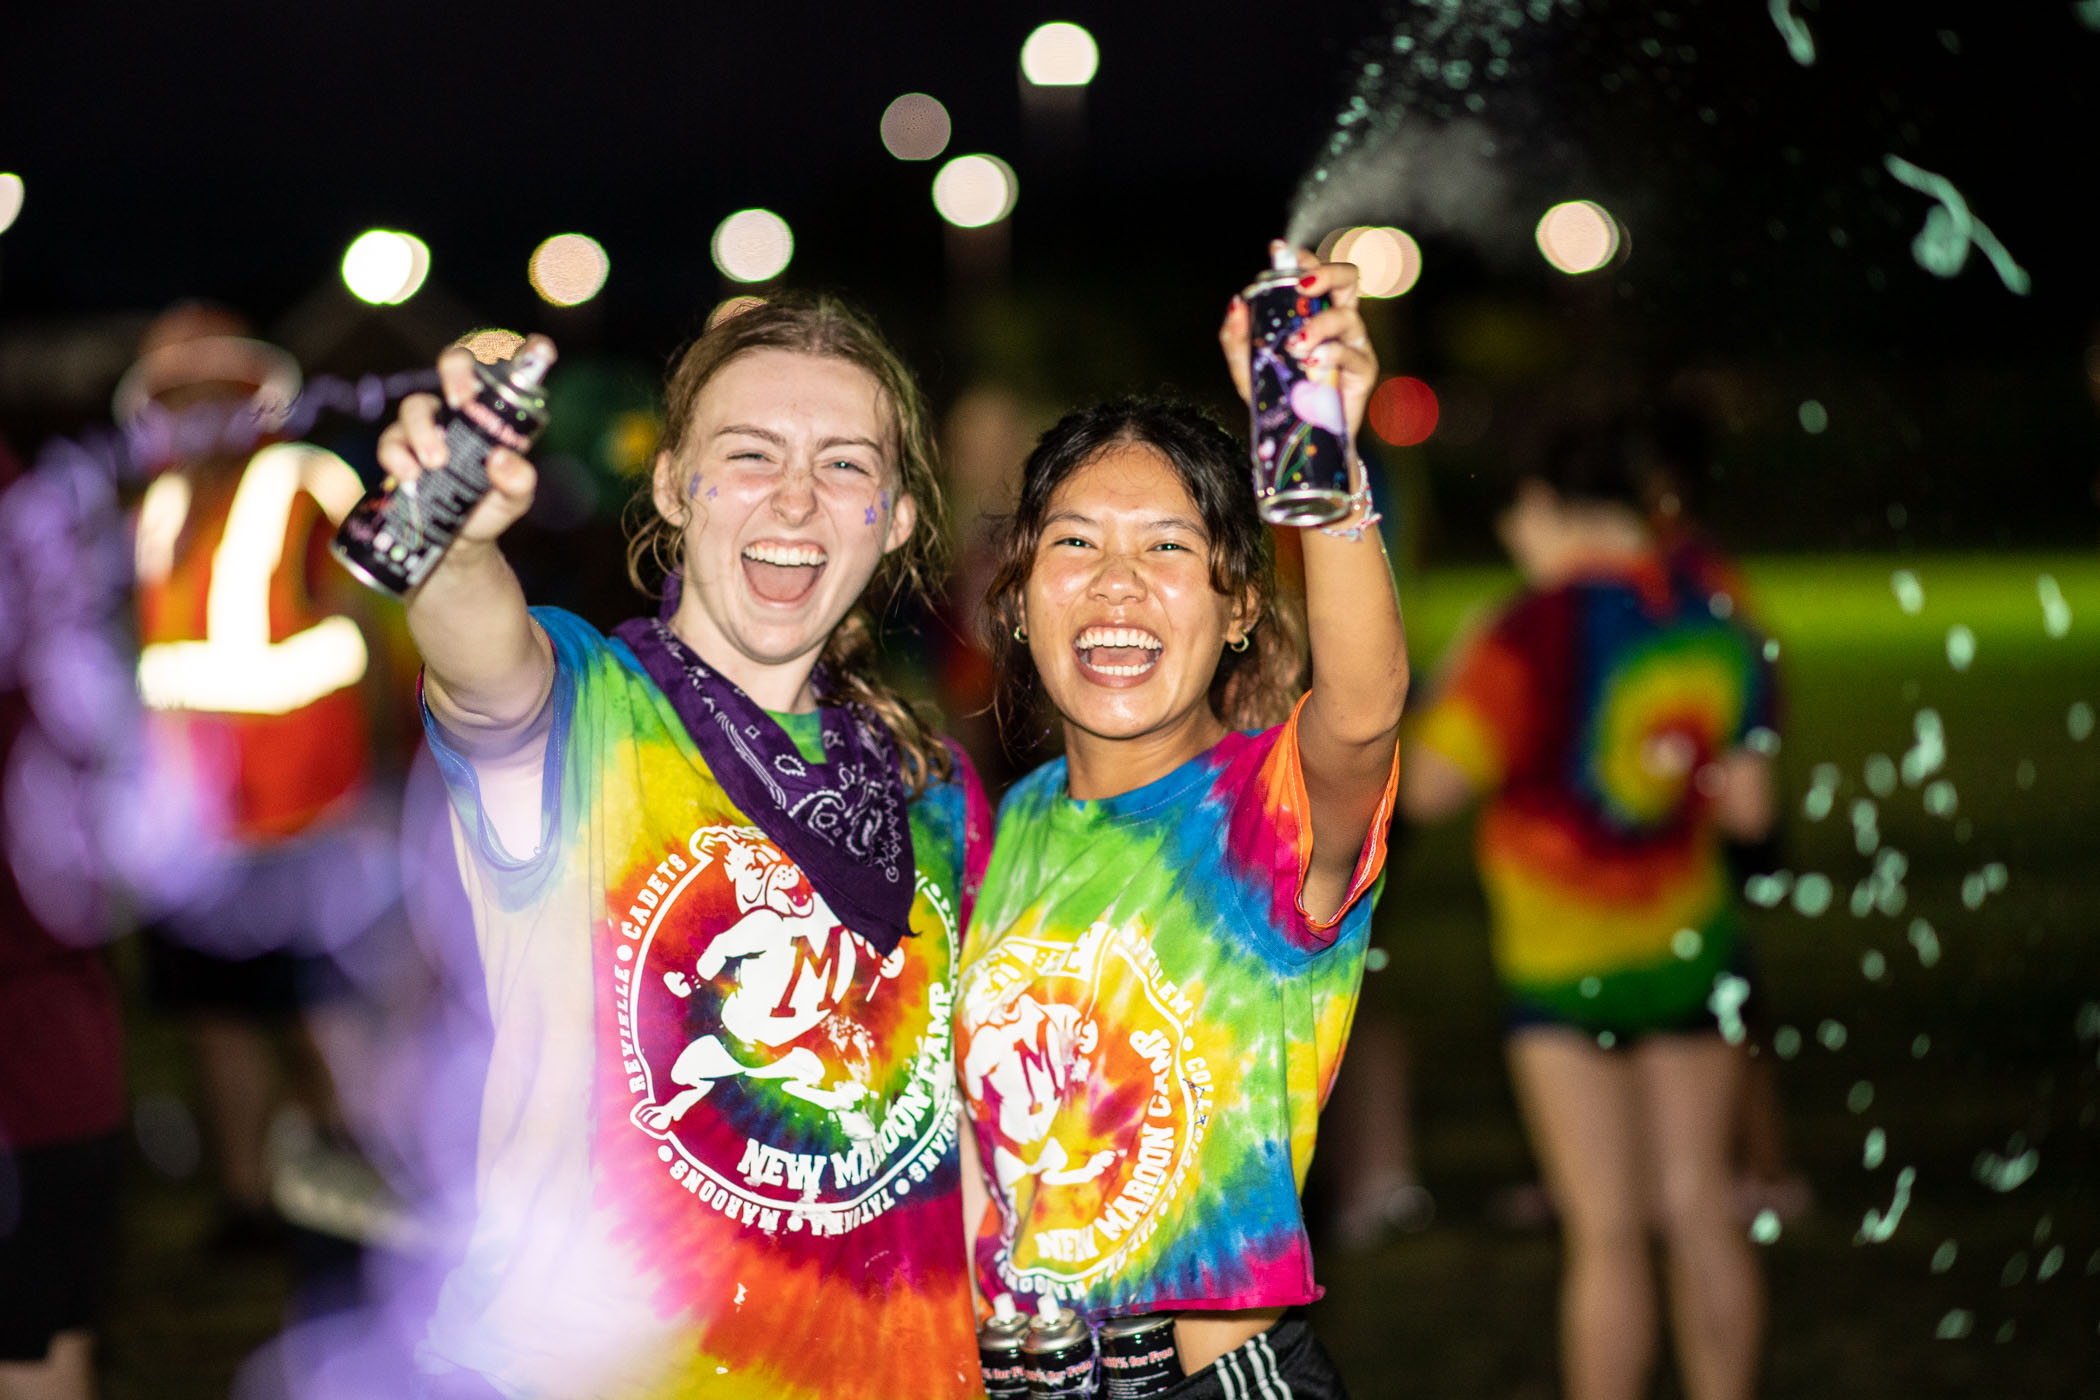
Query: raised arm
x: 487, y: 667
x: 1351, y: 720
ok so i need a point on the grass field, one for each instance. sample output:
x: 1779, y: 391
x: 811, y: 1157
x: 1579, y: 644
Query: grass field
x: 1984, y: 1056
x: 1979, y: 1065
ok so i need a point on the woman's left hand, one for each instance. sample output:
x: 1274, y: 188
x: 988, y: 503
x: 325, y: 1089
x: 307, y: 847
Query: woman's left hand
x: 1336, y: 337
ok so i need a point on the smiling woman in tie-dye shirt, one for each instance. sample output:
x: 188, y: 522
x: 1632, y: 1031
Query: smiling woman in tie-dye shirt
x: 718, y: 879
x: 1160, y: 974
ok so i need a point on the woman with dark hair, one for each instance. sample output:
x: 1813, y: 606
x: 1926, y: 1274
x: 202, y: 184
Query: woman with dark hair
x: 1613, y: 720
x: 1161, y: 970
x: 719, y: 875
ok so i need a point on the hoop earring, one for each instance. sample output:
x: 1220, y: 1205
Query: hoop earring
x: 1020, y: 631
x: 1242, y: 644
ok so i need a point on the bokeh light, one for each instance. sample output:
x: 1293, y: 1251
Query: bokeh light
x: 1060, y: 55
x: 631, y: 439
x: 490, y: 345
x: 1403, y: 411
x: 915, y: 127
x: 1388, y: 261
x: 11, y: 192
x: 972, y: 191
x: 753, y: 245
x: 731, y: 306
x: 1578, y: 236
x: 569, y: 269
x: 385, y: 267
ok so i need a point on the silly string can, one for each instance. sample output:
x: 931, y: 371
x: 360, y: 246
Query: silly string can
x: 1138, y: 1358
x: 395, y: 536
x: 1059, y: 1355
x: 999, y: 1342
x: 1300, y: 435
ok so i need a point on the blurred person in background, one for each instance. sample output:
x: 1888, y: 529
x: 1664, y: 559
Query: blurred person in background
x: 1669, y: 439
x: 1159, y: 980
x: 1673, y: 452
x: 986, y: 432
x: 65, y: 710
x: 265, y: 748
x: 718, y: 873
x: 1610, y: 719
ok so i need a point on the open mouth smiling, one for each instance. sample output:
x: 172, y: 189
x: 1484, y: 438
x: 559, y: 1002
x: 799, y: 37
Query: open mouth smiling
x: 1117, y: 651
x: 782, y: 571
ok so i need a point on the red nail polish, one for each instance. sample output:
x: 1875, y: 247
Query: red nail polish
x: 1307, y: 280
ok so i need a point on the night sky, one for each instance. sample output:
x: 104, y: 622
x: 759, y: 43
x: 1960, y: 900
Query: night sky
x: 233, y: 152
x: 234, y: 149
x: 238, y: 153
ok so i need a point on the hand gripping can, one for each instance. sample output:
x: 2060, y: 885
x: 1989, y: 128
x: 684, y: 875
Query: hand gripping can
x: 395, y: 536
x: 1138, y: 1358
x: 1059, y: 1355
x: 1300, y: 434
x: 999, y: 1343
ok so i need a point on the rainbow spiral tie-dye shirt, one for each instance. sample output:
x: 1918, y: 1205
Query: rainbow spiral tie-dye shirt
x: 1148, y: 1026
x: 719, y: 1152
x: 1585, y: 714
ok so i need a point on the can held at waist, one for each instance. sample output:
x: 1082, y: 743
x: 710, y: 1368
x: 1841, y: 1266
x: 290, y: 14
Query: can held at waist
x: 1058, y: 1356
x: 1138, y: 1358
x: 999, y: 1343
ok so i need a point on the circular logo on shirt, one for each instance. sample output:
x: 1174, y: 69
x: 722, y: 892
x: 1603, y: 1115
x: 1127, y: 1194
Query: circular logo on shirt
x: 795, y: 1077
x: 1080, y: 1060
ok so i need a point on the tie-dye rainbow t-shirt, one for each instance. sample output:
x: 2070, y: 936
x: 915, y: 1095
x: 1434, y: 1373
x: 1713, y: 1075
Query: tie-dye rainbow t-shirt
x: 1584, y: 714
x: 1148, y: 1026
x: 719, y: 1151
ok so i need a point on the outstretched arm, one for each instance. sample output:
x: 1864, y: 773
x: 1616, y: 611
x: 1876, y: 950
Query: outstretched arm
x: 1351, y: 720
x: 487, y: 667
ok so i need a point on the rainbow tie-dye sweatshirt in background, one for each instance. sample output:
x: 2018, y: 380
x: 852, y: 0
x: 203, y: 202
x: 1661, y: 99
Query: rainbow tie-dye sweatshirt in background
x: 1584, y: 714
x: 718, y: 1142
x: 1148, y: 1026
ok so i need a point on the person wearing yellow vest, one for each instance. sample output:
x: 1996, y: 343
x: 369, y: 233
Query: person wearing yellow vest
x: 259, y: 732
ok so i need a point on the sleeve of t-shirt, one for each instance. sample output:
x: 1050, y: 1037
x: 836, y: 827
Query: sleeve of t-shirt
x: 1481, y: 715
x: 575, y: 643
x: 1271, y: 839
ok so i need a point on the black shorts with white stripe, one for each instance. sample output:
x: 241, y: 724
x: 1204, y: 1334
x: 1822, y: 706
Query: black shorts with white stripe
x: 1286, y: 1362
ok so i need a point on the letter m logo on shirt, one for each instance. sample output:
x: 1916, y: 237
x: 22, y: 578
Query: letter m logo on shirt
x: 825, y: 962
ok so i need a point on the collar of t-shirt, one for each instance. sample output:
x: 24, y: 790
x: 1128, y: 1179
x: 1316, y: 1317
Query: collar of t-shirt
x: 1161, y: 792
x: 805, y: 731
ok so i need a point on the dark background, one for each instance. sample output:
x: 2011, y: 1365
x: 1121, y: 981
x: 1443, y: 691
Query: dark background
x: 232, y: 151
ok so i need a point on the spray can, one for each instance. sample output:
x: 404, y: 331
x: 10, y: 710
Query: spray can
x: 1300, y: 432
x: 395, y: 536
x: 999, y: 1342
x: 1138, y: 1358
x: 1058, y: 1354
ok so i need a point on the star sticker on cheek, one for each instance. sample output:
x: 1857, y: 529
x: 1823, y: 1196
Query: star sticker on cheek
x: 869, y: 518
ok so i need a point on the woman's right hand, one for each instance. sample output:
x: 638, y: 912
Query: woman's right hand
x: 414, y: 443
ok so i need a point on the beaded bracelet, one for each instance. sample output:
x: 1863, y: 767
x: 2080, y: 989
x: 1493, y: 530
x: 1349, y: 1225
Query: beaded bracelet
x: 1361, y: 517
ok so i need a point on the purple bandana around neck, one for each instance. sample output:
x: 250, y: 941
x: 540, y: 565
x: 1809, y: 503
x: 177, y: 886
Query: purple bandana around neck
x: 843, y: 821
